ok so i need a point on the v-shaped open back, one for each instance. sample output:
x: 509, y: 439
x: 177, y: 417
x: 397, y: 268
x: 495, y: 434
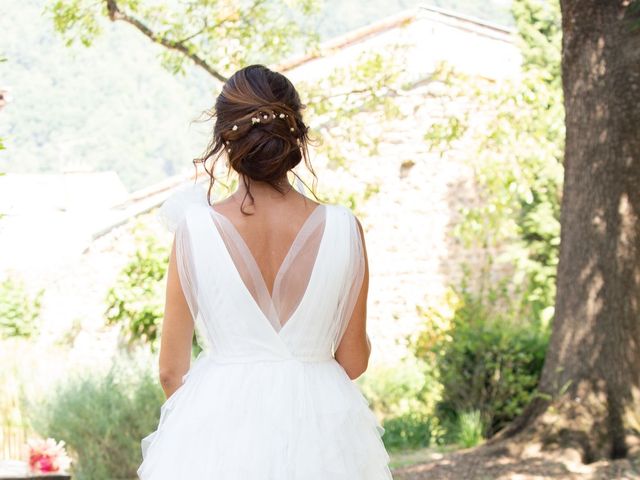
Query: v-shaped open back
x: 292, y: 276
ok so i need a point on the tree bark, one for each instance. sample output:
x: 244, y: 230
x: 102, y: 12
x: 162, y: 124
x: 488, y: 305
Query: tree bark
x: 590, y: 385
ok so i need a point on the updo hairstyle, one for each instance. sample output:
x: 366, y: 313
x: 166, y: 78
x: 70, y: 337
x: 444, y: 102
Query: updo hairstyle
x: 259, y: 126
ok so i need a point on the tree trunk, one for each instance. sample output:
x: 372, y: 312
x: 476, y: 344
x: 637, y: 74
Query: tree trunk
x: 591, y: 378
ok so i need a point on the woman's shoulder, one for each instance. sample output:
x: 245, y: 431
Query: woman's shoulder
x: 175, y: 207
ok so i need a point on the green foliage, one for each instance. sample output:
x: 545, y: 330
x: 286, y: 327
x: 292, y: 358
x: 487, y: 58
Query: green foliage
x: 539, y: 34
x: 137, y: 300
x: 488, y: 357
x: 470, y: 429
x: 112, y: 104
x: 405, y: 396
x: 242, y: 32
x: 517, y: 160
x: 400, y: 388
x: 441, y: 135
x: 361, y: 96
x: 102, y: 417
x: 73, y: 16
x: 412, y: 430
x: 19, y: 311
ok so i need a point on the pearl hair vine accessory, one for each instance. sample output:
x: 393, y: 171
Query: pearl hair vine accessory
x: 262, y: 116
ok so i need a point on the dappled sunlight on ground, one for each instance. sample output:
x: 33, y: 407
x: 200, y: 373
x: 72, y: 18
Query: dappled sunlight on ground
x: 490, y: 464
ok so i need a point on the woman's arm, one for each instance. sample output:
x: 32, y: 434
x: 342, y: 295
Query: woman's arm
x: 355, y: 348
x: 177, y: 331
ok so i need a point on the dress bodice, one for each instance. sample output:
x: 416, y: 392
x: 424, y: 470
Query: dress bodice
x: 235, y: 317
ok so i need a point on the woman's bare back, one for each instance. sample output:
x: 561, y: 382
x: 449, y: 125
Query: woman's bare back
x: 269, y: 229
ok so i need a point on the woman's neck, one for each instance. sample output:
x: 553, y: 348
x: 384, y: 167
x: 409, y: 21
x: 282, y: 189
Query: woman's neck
x: 264, y: 190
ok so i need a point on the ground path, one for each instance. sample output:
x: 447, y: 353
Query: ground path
x: 487, y: 464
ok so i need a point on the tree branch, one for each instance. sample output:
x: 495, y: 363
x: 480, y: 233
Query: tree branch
x: 116, y: 14
x: 193, y: 35
x: 393, y: 92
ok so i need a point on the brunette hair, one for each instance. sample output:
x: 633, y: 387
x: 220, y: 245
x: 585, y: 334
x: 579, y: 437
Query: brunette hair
x: 258, y: 124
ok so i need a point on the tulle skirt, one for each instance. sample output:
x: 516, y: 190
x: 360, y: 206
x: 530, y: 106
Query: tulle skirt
x: 284, y: 420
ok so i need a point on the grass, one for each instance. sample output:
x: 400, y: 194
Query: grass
x: 407, y: 458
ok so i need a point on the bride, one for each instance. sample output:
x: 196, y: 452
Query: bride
x: 275, y: 286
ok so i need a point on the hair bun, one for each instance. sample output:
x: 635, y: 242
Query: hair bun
x: 259, y: 126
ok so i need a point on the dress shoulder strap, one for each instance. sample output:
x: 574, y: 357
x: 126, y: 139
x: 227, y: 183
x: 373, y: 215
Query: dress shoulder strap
x: 173, y: 209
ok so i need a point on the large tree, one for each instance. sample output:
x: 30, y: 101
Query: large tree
x: 590, y: 386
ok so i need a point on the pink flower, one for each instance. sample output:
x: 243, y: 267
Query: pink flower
x: 46, y: 464
x: 46, y: 456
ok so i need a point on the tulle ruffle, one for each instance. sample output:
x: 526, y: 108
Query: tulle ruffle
x: 173, y: 209
x: 289, y: 420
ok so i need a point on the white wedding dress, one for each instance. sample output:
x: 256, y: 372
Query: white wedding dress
x: 265, y: 399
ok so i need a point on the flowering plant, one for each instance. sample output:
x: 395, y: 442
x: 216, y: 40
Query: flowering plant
x: 48, y: 456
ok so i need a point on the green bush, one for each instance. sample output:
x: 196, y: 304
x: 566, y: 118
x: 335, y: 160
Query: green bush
x: 396, y: 389
x: 411, y: 430
x: 487, y: 358
x: 102, y: 417
x: 136, y: 302
x: 405, y: 396
x: 19, y: 311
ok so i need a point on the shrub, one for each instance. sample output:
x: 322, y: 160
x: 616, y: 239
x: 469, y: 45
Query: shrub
x: 399, y: 388
x: 487, y: 358
x: 102, y: 418
x: 411, y: 430
x: 405, y: 396
x: 492, y: 366
x: 136, y: 301
x: 19, y: 312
